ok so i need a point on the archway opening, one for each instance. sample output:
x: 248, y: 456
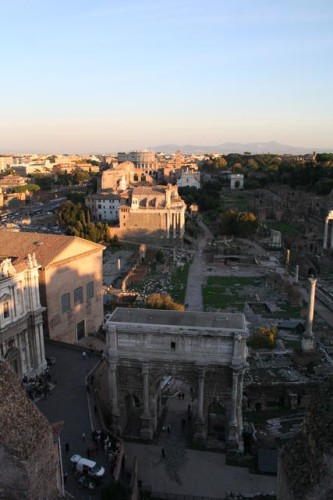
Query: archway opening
x: 175, y: 410
x: 217, y: 422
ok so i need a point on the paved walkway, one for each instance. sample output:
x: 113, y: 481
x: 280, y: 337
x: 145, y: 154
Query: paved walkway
x: 196, y: 276
x: 183, y: 471
x: 200, y: 473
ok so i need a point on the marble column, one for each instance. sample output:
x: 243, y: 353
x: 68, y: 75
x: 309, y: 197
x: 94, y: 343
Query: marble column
x: 239, y: 404
x: 27, y: 350
x: 182, y: 224
x: 147, y: 422
x: 174, y: 225
x: 200, y: 432
x: 39, y: 329
x: 145, y: 376
x: 201, y: 381
x: 325, y: 234
x: 233, y: 427
x: 308, y: 339
x: 113, y: 388
x: 167, y: 225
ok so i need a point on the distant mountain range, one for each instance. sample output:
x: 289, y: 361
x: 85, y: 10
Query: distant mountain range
x: 238, y: 147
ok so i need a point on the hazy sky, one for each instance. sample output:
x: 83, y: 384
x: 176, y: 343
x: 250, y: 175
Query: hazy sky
x: 110, y: 75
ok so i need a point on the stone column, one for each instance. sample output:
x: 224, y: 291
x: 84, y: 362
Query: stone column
x: 39, y: 328
x: 146, y: 422
x: 182, y: 224
x: 174, y: 225
x: 296, y: 273
x: 167, y: 225
x: 239, y: 409
x: 331, y: 242
x: 201, y: 381
x: 119, y: 265
x: 145, y: 376
x: 325, y: 234
x: 288, y: 257
x: 308, y: 339
x: 233, y: 427
x: 200, y: 433
x: 113, y: 388
x: 27, y: 350
x: 38, y: 348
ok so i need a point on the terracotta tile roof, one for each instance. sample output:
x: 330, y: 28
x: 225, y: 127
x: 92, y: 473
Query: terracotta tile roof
x: 146, y: 190
x: 47, y: 247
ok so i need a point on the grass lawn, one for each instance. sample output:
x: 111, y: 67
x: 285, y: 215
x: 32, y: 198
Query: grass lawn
x: 228, y: 291
x: 178, y: 283
x: 283, y: 228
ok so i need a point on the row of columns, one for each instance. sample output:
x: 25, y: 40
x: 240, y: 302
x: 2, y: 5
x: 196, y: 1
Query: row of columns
x: 148, y: 420
x: 175, y: 224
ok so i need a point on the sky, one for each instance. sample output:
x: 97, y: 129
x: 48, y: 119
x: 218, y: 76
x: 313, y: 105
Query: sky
x: 115, y: 75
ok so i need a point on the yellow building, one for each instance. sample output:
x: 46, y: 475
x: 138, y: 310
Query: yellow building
x: 70, y: 280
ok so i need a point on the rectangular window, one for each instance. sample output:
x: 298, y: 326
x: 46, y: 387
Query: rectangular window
x: 6, y: 310
x: 90, y: 290
x: 65, y: 302
x: 173, y: 346
x: 78, y: 295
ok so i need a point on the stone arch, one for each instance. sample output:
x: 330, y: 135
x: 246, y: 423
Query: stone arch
x: 208, y: 351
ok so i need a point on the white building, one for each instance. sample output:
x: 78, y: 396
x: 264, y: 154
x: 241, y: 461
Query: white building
x: 104, y: 206
x: 21, y: 323
x: 189, y: 178
x: 236, y: 181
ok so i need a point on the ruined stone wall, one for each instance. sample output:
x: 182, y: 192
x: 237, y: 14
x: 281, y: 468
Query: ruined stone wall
x: 277, y: 393
x: 305, y: 463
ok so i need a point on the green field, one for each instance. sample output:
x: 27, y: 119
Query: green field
x: 283, y: 228
x: 228, y: 291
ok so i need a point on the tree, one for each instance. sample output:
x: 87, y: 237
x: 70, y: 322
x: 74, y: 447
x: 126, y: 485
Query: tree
x: 26, y: 187
x: 162, y: 301
x: 159, y: 256
x: 265, y: 338
x: 242, y: 224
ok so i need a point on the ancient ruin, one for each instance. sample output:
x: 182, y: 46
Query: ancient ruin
x: 207, y: 350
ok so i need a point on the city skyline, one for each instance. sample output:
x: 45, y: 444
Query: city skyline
x: 88, y: 78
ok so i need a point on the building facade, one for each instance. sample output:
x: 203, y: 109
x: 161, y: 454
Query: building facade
x: 21, y: 320
x: 157, y: 210
x: 189, y: 178
x: 104, y: 206
x: 70, y: 280
x: 145, y: 161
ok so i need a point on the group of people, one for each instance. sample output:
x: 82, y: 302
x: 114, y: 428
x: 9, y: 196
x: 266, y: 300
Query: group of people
x: 38, y: 386
x: 110, y: 443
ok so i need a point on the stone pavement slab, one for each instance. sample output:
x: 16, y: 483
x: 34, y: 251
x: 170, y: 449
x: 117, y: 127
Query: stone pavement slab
x: 201, y: 474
